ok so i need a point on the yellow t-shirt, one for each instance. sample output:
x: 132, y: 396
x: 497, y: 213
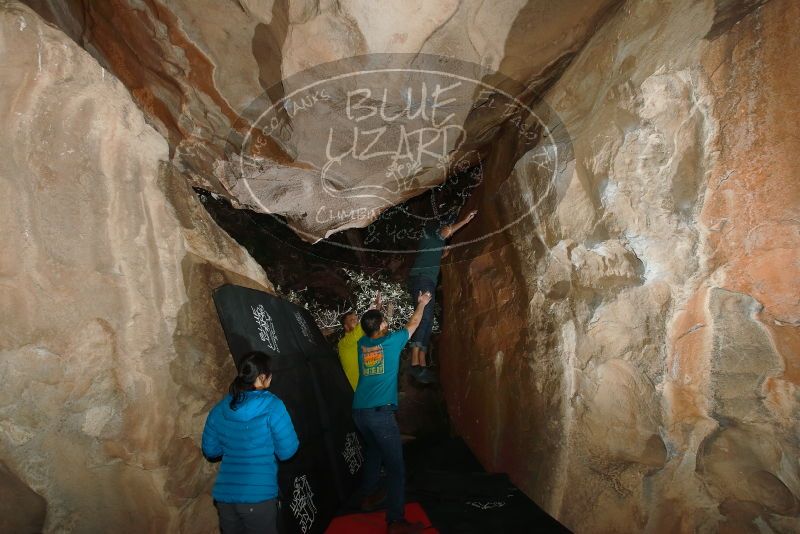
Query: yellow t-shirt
x: 348, y: 354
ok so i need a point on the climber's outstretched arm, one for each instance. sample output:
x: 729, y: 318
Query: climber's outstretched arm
x: 422, y: 300
x: 450, y: 229
x: 377, y: 304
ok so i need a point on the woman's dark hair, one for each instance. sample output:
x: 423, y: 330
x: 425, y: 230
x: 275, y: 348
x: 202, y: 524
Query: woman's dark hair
x: 371, y: 322
x: 252, y: 365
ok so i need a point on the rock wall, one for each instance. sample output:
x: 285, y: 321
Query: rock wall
x: 654, y: 384
x: 629, y: 354
x: 196, y: 66
x: 110, y: 349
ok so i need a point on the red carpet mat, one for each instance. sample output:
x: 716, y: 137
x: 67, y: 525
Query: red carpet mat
x: 375, y: 522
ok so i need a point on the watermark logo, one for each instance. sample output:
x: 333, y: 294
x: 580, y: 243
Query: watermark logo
x: 398, y: 145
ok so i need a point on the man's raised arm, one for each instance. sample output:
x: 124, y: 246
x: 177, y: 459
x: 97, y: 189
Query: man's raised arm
x: 377, y: 304
x: 422, y: 300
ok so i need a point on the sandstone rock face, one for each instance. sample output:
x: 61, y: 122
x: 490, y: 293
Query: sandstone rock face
x: 199, y: 67
x: 110, y: 349
x: 655, y: 385
x: 629, y: 353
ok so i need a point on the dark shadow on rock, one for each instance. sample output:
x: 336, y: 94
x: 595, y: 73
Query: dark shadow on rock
x: 729, y: 12
x: 21, y: 508
x: 267, y: 46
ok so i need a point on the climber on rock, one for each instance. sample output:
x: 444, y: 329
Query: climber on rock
x: 423, y: 278
x: 374, y: 406
x: 347, y: 346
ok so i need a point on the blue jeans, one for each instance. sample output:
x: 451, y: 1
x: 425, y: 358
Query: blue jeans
x: 382, y: 442
x: 422, y: 335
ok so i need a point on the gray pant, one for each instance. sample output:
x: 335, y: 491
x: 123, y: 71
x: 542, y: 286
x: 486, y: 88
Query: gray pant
x: 256, y: 518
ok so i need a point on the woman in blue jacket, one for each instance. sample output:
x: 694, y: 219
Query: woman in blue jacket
x: 248, y: 429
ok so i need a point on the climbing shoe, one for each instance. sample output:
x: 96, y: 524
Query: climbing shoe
x: 426, y: 376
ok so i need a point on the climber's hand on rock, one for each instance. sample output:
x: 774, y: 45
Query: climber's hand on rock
x: 424, y: 298
x: 448, y: 231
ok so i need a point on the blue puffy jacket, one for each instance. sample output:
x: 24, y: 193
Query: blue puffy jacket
x: 248, y: 439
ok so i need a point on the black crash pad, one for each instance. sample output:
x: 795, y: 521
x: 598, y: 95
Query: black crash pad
x: 308, y: 378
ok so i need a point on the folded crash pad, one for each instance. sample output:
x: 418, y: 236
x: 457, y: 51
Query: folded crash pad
x: 308, y: 378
